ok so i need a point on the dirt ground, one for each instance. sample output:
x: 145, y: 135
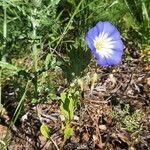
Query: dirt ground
x: 94, y: 127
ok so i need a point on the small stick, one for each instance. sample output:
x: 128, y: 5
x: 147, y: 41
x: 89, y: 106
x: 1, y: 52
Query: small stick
x: 54, y: 143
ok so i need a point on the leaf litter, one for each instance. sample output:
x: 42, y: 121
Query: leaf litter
x: 93, y: 125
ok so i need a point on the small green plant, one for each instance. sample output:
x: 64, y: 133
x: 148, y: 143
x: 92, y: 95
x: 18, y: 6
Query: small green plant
x: 67, y: 106
x: 68, y: 132
x: 69, y: 101
x: 45, y: 131
x: 126, y: 120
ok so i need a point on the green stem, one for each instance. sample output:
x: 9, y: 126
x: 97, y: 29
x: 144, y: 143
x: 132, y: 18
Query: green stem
x: 35, y: 52
x: 69, y: 23
x: 0, y: 87
x: 20, y: 105
x: 4, y: 45
x: 5, y: 20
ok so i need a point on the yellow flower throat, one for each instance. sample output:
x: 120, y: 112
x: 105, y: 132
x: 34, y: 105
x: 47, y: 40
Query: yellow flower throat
x: 98, y: 45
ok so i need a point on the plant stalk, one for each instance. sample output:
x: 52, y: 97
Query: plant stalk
x: 20, y: 105
x: 4, y: 45
x: 35, y: 52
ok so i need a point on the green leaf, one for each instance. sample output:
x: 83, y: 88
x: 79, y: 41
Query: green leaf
x: 72, y: 2
x: 2, y: 110
x: 67, y: 106
x: 68, y: 132
x: 45, y: 130
x: 71, y: 109
x: 47, y: 60
x: 64, y: 106
x: 78, y: 61
x: 5, y: 65
x: 55, y: 2
x: 63, y: 96
x: 8, y: 69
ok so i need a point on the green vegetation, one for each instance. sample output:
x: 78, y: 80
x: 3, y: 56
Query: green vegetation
x: 126, y: 120
x: 69, y: 102
x: 42, y: 46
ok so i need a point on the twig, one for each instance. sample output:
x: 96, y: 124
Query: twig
x: 54, y: 143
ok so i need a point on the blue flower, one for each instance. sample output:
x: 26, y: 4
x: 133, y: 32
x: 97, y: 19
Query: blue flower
x: 105, y: 43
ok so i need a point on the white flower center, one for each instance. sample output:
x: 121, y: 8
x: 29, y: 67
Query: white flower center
x: 103, y: 45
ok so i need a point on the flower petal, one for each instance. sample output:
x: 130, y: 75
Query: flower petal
x: 90, y: 43
x: 92, y: 33
x: 111, y: 31
x: 101, y: 60
x: 115, y: 45
x: 114, y: 59
x: 90, y: 36
x: 100, y: 27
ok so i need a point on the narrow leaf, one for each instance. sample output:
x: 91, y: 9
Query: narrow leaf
x: 45, y: 130
x: 68, y: 132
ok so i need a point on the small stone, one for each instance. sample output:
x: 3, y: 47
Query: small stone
x: 148, y: 81
x: 24, y: 117
x: 102, y: 127
x: 76, y: 118
x: 95, y: 139
x: 62, y: 118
